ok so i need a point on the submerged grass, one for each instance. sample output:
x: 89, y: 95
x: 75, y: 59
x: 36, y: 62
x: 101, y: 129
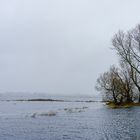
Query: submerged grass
x: 124, y: 105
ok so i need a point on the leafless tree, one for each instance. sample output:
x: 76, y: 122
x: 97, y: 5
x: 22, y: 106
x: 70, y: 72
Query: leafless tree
x: 112, y: 85
x: 127, y: 46
x: 123, y: 84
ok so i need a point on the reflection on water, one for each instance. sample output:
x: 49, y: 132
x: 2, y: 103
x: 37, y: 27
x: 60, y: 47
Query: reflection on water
x: 96, y: 122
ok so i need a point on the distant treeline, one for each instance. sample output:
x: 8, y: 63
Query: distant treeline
x: 122, y: 84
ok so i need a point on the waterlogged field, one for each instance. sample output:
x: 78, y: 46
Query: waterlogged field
x: 67, y: 121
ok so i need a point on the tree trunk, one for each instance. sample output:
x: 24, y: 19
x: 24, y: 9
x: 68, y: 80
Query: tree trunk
x: 139, y: 99
x: 128, y: 98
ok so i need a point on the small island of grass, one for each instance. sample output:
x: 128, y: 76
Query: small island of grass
x: 123, y: 105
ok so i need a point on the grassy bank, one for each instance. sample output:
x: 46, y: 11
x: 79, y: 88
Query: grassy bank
x: 124, y: 105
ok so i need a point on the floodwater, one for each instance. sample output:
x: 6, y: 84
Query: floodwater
x: 67, y: 121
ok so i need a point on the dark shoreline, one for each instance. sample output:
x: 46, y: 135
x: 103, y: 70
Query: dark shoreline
x: 48, y: 100
x: 42, y: 100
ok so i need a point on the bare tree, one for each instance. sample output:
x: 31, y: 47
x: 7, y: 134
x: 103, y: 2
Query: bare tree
x: 127, y: 46
x: 111, y: 84
x: 117, y: 84
x: 127, y: 82
x: 122, y: 84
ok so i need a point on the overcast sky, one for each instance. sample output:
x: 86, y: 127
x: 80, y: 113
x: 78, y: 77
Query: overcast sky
x: 59, y: 46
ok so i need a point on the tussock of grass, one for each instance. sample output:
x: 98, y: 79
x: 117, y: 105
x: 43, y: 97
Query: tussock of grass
x: 124, y: 105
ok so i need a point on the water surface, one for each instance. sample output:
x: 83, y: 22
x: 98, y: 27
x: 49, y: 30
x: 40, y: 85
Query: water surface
x: 73, y: 121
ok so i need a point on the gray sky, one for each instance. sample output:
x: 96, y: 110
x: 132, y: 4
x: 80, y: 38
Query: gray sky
x: 59, y: 46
